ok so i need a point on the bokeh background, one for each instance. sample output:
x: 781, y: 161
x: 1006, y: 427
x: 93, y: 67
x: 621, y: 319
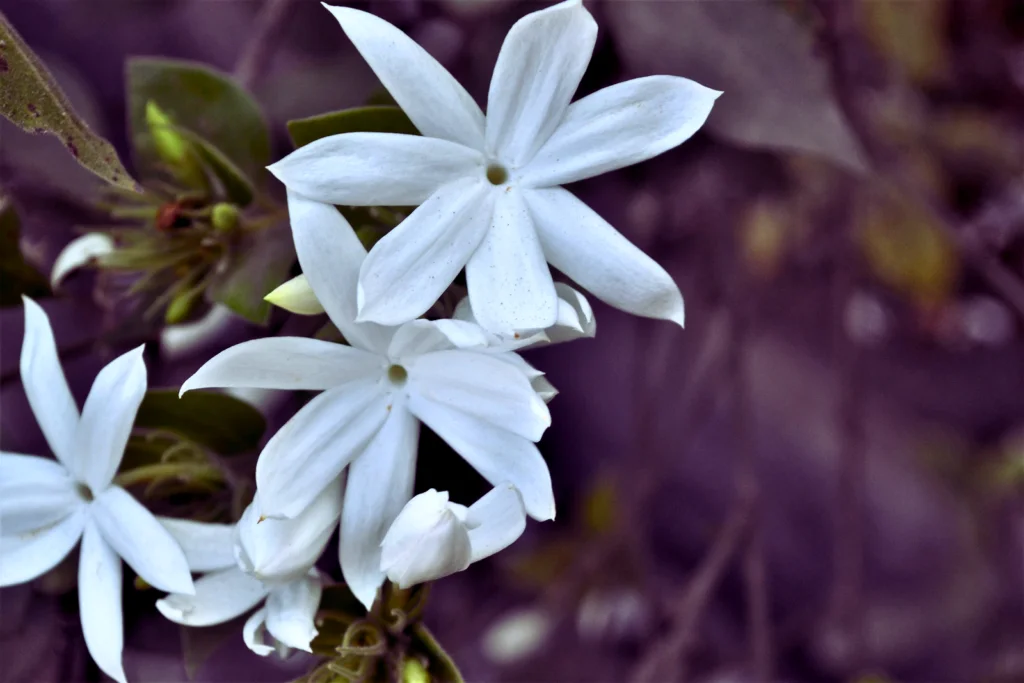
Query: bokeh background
x: 820, y: 479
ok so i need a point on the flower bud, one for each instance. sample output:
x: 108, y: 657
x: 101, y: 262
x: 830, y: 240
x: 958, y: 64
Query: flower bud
x: 180, y: 306
x: 282, y: 550
x: 296, y: 296
x: 172, y: 147
x: 427, y: 540
x: 224, y: 217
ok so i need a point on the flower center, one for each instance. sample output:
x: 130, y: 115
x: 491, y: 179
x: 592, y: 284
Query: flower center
x: 497, y: 174
x: 85, y: 492
x: 397, y: 375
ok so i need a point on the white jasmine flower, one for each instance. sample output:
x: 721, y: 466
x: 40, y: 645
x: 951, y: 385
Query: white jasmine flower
x: 46, y: 506
x: 488, y: 187
x: 253, y: 562
x: 375, y: 393
x: 432, y: 538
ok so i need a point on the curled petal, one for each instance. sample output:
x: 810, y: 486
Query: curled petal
x: 79, y: 252
x: 495, y: 521
x: 291, y: 610
x: 418, y: 337
x: 220, y: 596
x: 426, y: 541
x: 253, y: 633
x: 575, y: 316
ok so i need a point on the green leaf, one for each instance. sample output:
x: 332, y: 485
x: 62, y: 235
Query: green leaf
x: 201, y: 100
x: 32, y: 100
x: 17, y: 277
x: 265, y: 261
x: 442, y: 667
x: 223, y: 423
x: 237, y: 186
x: 380, y: 119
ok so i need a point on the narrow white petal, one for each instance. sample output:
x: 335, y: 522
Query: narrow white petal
x: 291, y: 610
x: 45, y: 386
x: 495, y: 521
x: 284, y: 549
x: 380, y: 482
x: 107, y: 418
x: 376, y: 169
x: 509, y: 281
x: 25, y: 556
x: 498, y: 455
x: 409, y: 268
x: 136, y: 535
x: 418, y: 337
x: 296, y: 296
x: 545, y: 389
x: 538, y: 70
x: 426, y: 92
x: 309, y: 452
x: 99, y: 602
x: 575, y: 316
x: 207, y: 547
x: 464, y: 313
x: 481, y: 386
x: 34, y: 493
x: 285, y: 363
x: 427, y: 541
x: 79, y: 252
x: 330, y: 255
x: 585, y: 247
x: 253, y: 632
x: 219, y: 597
x: 621, y: 125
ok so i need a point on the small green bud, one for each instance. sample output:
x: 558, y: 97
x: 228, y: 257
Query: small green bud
x: 171, y: 147
x: 180, y: 306
x: 413, y: 671
x: 224, y: 217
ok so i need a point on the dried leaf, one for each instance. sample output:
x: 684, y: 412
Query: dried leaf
x: 777, y: 92
x: 32, y: 100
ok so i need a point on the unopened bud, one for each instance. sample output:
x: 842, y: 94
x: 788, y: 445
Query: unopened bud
x: 296, y: 296
x: 224, y: 217
x: 181, y: 306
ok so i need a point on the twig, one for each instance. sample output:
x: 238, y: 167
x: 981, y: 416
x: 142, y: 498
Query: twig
x: 253, y: 61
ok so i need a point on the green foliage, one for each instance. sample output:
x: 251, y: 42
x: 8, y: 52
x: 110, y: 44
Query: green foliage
x: 220, y: 422
x: 378, y: 119
x: 32, y: 100
x: 16, y: 276
x: 203, y: 102
x: 264, y: 261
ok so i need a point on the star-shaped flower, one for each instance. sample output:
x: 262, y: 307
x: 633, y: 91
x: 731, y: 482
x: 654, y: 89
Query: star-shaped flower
x: 375, y: 394
x: 257, y: 561
x: 488, y: 187
x: 46, y: 506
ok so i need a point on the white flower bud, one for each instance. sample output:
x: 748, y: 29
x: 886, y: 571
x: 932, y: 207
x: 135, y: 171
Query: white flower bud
x: 296, y: 296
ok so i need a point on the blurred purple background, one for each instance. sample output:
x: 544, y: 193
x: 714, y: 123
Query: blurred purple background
x: 841, y: 422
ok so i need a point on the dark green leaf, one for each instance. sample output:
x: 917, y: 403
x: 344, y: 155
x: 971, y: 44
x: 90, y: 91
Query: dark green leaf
x: 441, y: 666
x: 264, y: 261
x: 223, y: 423
x: 380, y: 119
x: 203, y: 101
x: 16, y: 276
x: 32, y: 100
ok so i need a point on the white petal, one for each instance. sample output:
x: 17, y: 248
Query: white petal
x: 219, y: 597
x: 284, y: 549
x: 291, y: 610
x: 481, y: 386
x: 79, y: 252
x: 330, y: 255
x: 509, y: 281
x: 309, y: 452
x: 26, y: 556
x: 376, y: 169
x: 379, y: 483
x: 45, y: 386
x: 135, y: 534
x: 418, y: 337
x: 585, y: 247
x: 99, y: 602
x: 499, y: 456
x: 545, y: 389
x: 207, y: 547
x: 427, y: 541
x: 253, y: 632
x: 495, y: 521
x: 34, y: 493
x: 618, y: 126
x: 409, y: 268
x: 107, y: 418
x: 538, y: 70
x: 426, y: 92
x: 464, y: 313
x: 575, y: 316
x: 285, y: 363
x: 296, y: 296
x: 177, y: 341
